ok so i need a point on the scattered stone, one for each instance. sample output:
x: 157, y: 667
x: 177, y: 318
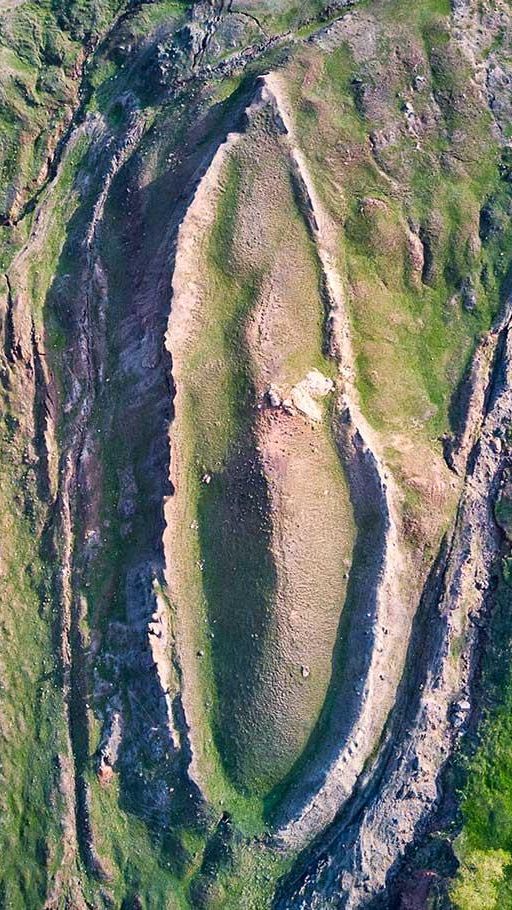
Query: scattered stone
x: 459, y: 711
x: 127, y: 493
x: 305, y: 671
x: 206, y: 479
x: 105, y: 773
x: 306, y: 393
x: 416, y: 252
x: 274, y: 397
x: 370, y: 204
x: 468, y: 295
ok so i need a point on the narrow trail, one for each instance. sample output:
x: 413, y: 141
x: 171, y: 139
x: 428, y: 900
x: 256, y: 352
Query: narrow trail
x: 322, y: 790
x: 6, y: 5
x: 475, y: 392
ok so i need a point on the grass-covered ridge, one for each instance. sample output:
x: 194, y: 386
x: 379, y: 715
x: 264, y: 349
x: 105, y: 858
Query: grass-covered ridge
x: 417, y: 181
x: 32, y: 728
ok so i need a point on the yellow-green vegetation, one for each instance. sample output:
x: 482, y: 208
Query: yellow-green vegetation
x: 414, y: 334
x: 483, y: 881
x: 238, y: 875
x: 152, y: 864
x: 176, y: 868
x: 42, y: 46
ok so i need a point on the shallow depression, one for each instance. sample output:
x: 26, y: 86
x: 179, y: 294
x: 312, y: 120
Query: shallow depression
x: 263, y: 546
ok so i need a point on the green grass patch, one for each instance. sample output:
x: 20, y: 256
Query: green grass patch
x: 32, y: 725
x: 484, y: 847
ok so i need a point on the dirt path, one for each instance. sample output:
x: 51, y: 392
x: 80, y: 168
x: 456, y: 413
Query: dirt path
x: 379, y: 605
x: 6, y: 5
x: 474, y: 392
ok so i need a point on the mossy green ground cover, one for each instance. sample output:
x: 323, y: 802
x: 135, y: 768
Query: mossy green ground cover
x: 434, y: 345
x: 32, y: 726
x: 484, y: 847
x: 404, y: 327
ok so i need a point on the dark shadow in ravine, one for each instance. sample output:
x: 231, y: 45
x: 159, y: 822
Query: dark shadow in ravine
x: 239, y: 581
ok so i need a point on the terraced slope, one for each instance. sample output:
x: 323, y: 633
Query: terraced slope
x: 255, y: 478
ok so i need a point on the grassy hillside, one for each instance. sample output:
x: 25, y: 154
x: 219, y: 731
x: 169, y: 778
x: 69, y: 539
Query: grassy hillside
x: 178, y: 535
